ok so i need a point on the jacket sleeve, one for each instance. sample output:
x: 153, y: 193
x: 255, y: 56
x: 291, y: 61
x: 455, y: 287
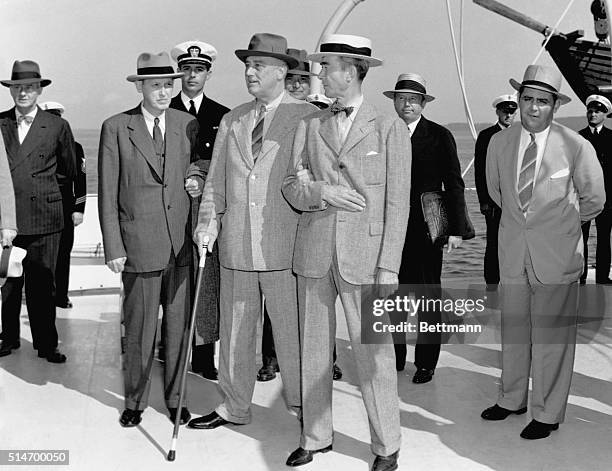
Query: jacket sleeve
x: 109, y: 169
x: 492, y: 170
x: 7, y: 194
x: 65, y: 152
x: 589, y: 182
x: 453, y: 185
x: 480, y: 169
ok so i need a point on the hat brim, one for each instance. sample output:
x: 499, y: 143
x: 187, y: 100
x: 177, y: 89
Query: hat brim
x: 43, y: 82
x: 194, y: 60
x: 242, y: 54
x: 301, y: 72
x: 136, y: 78
x: 563, y: 99
x: 391, y: 94
x: 318, y: 56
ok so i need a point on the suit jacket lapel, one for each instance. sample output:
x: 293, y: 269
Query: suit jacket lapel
x: 362, y: 126
x: 172, y: 145
x: 140, y: 137
x: 513, y: 144
x: 328, y: 130
x: 35, y: 136
x: 278, y: 127
x: 242, y: 133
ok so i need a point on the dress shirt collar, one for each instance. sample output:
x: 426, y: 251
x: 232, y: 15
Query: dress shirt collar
x: 270, y: 106
x: 150, y: 120
x: 540, y: 137
x: 197, y: 101
x: 31, y: 113
x: 412, y: 126
x: 594, y: 128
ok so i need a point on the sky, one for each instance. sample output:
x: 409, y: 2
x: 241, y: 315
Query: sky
x: 88, y: 48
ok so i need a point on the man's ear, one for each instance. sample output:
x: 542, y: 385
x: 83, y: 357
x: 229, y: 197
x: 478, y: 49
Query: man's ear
x: 138, y: 84
x: 210, y: 71
x: 557, y: 105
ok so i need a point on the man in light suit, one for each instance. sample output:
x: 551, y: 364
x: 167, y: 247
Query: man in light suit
x: 355, y: 211
x: 8, y: 218
x: 546, y: 179
x: 243, y: 204
x: 40, y: 147
x: 144, y: 155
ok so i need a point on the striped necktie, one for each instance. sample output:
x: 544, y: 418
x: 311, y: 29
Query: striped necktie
x: 158, y: 142
x: 257, y: 135
x: 527, y: 174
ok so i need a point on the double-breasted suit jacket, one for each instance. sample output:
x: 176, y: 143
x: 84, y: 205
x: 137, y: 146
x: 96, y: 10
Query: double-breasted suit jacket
x: 143, y: 207
x: 375, y: 161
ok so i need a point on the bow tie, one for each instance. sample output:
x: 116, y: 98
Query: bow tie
x: 336, y: 108
x: 27, y: 119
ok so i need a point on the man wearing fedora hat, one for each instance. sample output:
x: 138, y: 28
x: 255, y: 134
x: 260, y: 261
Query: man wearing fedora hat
x: 40, y: 148
x: 435, y: 164
x: 546, y: 179
x: 297, y: 81
x: 349, y: 241
x: 144, y: 156
x: 242, y: 204
x: 598, y: 107
x: 505, y: 108
x: 196, y: 59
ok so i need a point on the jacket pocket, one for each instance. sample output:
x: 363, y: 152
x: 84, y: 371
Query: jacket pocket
x: 54, y: 197
x: 376, y: 228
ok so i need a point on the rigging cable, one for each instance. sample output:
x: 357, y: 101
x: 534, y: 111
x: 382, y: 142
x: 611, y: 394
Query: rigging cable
x: 551, y: 32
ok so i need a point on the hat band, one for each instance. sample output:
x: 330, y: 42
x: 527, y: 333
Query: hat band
x: 410, y: 85
x: 154, y: 70
x: 527, y: 83
x: 183, y: 57
x: 24, y: 75
x: 345, y: 48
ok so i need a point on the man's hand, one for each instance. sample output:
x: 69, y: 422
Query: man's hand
x: 7, y: 236
x: 454, y: 242
x: 117, y: 265
x: 204, y: 239
x: 194, y: 186
x: 304, y: 177
x: 486, y: 209
x: 77, y: 218
x: 343, y: 197
x: 387, y: 282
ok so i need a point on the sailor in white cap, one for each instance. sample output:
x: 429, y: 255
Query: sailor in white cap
x: 598, y: 107
x: 355, y: 154
x: 196, y: 59
x: 505, y: 108
x: 74, y: 196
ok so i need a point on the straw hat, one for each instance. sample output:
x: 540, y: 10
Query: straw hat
x: 346, y: 45
x: 410, y: 83
x: 541, y: 77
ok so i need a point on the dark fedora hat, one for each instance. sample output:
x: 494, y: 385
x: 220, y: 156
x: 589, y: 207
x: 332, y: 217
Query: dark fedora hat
x: 269, y: 45
x: 303, y: 67
x: 25, y: 72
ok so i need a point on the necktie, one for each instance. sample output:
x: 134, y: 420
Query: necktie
x: 158, y: 142
x: 527, y: 174
x: 192, y: 109
x: 337, y: 107
x: 257, y: 135
x: 21, y: 118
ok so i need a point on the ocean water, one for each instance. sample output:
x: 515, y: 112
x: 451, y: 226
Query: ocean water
x: 467, y: 261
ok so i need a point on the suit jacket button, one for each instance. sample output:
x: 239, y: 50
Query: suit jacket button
x: 169, y: 207
x: 33, y: 175
x: 32, y: 198
x: 341, y: 166
x: 207, y: 144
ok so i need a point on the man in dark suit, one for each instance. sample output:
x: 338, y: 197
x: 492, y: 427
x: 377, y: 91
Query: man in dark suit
x: 505, y: 109
x: 74, y: 195
x: 434, y: 164
x: 144, y: 155
x: 40, y: 147
x: 598, y: 107
x: 195, y: 59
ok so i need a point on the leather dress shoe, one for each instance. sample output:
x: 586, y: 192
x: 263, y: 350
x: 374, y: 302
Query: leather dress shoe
x: 185, y: 415
x: 267, y: 373
x: 210, y: 421
x: 54, y: 356
x: 499, y: 413
x: 210, y: 373
x: 6, y: 347
x: 536, y: 430
x: 422, y: 376
x: 386, y: 463
x: 130, y: 418
x: 64, y: 303
x: 301, y: 456
x: 337, y: 372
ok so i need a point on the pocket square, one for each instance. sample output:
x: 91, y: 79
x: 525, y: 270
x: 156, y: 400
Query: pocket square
x: 371, y: 153
x: 564, y: 172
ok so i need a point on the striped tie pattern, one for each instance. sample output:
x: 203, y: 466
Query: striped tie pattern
x: 158, y: 142
x: 257, y: 135
x: 527, y: 174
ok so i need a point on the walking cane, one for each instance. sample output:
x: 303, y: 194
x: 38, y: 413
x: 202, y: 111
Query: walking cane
x: 179, y: 409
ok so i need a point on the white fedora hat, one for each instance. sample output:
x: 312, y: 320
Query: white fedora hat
x: 542, y: 77
x: 410, y: 83
x: 346, y: 45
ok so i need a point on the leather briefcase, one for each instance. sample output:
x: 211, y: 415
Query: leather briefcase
x: 435, y: 212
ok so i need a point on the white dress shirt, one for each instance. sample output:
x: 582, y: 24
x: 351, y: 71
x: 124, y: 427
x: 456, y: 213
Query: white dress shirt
x: 540, y: 139
x: 270, y: 111
x: 24, y: 127
x: 345, y: 122
x: 149, y: 121
x: 412, y: 126
x: 197, y: 101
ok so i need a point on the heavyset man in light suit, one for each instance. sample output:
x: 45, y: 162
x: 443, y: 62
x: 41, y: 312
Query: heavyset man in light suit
x: 351, y: 233
x: 243, y: 204
x: 546, y: 179
x: 144, y: 156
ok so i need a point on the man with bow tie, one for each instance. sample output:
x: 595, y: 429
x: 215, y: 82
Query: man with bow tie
x: 40, y: 147
x: 349, y: 242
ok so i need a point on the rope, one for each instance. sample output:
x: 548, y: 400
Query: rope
x: 553, y: 30
x: 458, y: 63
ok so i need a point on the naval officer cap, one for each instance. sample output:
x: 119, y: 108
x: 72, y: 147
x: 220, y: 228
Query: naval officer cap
x: 506, y: 102
x: 194, y: 52
x: 600, y: 103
